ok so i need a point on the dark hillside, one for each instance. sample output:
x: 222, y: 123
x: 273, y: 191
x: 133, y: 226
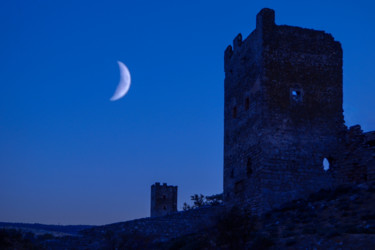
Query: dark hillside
x: 42, y: 228
x: 342, y: 218
x: 329, y: 219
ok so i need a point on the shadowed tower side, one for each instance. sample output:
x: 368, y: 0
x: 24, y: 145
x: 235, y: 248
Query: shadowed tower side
x: 283, y: 113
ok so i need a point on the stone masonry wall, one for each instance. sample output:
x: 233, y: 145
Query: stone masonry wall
x: 283, y: 113
x: 165, y: 227
x: 163, y: 199
x: 356, y: 163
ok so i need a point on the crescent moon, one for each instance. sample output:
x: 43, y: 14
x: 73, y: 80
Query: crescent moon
x: 124, y: 83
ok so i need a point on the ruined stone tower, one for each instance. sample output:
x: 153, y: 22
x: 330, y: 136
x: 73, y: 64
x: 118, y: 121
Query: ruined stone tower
x: 283, y: 113
x: 163, y: 199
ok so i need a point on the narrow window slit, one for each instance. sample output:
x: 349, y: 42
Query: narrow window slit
x: 234, y: 112
x: 249, y: 169
x: 247, y: 103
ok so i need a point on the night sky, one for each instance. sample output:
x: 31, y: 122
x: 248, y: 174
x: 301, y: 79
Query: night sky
x: 68, y: 155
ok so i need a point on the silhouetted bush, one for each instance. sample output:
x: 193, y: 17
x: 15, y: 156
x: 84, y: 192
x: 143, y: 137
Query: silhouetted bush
x: 199, y: 200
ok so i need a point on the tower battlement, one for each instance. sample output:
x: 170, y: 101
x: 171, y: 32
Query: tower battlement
x: 265, y: 19
x: 283, y: 113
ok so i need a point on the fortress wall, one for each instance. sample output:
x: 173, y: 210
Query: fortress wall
x: 357, y: 161
x: 165, y: 227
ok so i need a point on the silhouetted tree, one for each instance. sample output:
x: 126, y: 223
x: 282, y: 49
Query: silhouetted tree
x: 200, y: 200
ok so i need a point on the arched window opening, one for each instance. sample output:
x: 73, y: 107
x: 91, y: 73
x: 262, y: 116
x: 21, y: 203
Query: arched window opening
x: 326, y: 164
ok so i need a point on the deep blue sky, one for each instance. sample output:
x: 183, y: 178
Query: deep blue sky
x: 68, y: 155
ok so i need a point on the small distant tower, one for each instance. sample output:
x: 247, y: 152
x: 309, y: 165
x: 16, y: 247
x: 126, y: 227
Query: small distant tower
x: 163, y: 199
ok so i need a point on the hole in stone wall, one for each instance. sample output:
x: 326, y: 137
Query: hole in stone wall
x: 296, y: 95
x: 164, y: 197
x: 232, y: 173
x: 249, y: 169
x: 247, y: 103
x: 165, y: 208
x: 234, y: 112
x: 326, y: 164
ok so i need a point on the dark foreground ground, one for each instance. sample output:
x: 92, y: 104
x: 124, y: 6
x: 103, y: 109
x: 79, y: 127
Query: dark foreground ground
x: 343, y: 218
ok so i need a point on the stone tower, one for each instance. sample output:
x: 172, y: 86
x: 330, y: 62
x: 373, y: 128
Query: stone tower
x: 163, y: 199
x: 283, y: 113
